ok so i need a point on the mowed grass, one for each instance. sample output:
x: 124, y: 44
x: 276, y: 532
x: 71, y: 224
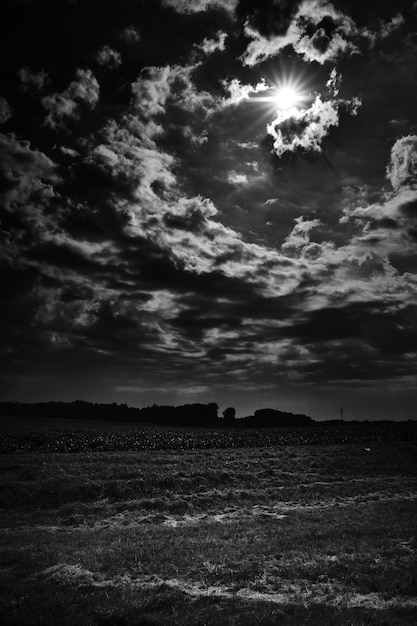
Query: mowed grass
x: 276, y: 535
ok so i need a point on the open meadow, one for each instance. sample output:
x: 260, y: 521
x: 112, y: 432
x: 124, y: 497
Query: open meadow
x: 193, y: 535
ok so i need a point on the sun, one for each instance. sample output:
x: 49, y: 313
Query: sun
x: 282, y: 96
x: 286, y: 97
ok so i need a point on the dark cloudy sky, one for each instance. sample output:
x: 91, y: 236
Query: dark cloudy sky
x: 171, y: 232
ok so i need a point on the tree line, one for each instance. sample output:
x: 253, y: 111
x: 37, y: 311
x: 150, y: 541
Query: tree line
x: 185, y: 415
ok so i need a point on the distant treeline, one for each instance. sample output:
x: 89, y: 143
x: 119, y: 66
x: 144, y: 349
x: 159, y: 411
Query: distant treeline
x: 185, y: 415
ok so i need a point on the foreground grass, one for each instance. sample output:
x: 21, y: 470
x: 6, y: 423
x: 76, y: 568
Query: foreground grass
x: 291, y: 535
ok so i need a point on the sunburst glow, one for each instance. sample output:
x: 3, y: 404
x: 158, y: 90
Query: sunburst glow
x: 285, y: 93
x: 286, y: 97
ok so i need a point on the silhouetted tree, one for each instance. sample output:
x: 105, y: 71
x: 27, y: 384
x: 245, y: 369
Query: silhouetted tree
x: 229, y: 414
x: 272, y: 417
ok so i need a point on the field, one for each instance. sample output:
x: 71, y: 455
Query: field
x: 193, y: 535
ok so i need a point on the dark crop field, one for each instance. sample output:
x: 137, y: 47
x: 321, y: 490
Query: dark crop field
x: 188, y: 527
x: 30, y: 435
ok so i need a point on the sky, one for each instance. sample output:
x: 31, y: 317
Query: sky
x: 210, y: 201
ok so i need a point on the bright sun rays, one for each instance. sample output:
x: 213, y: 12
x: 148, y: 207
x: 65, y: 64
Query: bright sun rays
x: 283, y: 94
x: 286, y: 97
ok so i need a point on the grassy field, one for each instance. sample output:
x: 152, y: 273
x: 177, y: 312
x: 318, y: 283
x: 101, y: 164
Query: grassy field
x: 304, y: 534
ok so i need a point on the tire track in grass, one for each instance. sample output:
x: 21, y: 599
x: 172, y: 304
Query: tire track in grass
x: 297, y: 592
x: 279, y: 511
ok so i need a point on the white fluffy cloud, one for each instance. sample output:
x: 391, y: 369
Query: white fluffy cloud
x: 300, y: 235
x: 318, y: 32
x: 304, y: 129
x: 402, y: 169
x: 385, y: 230
x: 133, y: 159
x: 196, y: 6
x: 208, y: 46
x: 239, y: 92
x: 156, y: 85
x: 83, y: 90
x: 321, y: 46
x: 298, y: 127
x: 151, y: 90
x: 108, y: 57
x: 237, y: 179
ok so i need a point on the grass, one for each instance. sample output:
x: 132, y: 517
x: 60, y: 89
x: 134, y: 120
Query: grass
x: 273, y: 535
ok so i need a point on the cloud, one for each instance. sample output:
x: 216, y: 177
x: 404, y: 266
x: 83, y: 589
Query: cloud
x: 317, y: 32
x: 31, y: 81
x: 203, y: 245
x: 386, y: 29
x: 131, y: 162
x: 142, y: 256
x: 84, y: 90
x: 386, y: 231
x: 268, y: 18
x: 145, y: 188
x: 22, y: 169
x: 304, y: 129
x: 168, y: 389
x: 197, y: 6
x: 240, y: 92
x: 27, y: 177
x: 299, y: 237
x: 156, y: 87
x: 108, y: 57
x: 208, y: 46
x: 402, y: 169
x: 68, y: 151
x: 130, y: 34
x: 358, y: 297
x: 237, y: 179
x: 315, y: 29
x: 5, y: 111
x: 299, y: 127
x: 151, y: 90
